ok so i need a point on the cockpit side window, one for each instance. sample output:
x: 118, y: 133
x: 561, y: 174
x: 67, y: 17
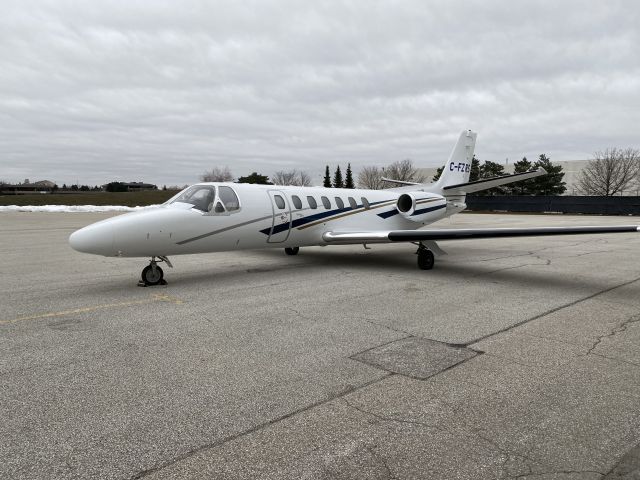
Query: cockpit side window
x: 200, y: 196
x: 228, y: 198
x: 204, y: 198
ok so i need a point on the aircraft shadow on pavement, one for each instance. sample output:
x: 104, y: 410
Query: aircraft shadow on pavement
x: 460, y: 266
x: 529, y: 274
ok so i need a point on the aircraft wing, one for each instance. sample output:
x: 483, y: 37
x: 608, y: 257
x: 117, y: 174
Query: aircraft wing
x: 391, y: 236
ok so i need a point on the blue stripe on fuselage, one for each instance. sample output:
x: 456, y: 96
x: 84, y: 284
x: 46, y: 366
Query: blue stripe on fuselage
x: 388, y: 214
x: 428, y: 209
x: 395, y: 211
x: 312, y: 218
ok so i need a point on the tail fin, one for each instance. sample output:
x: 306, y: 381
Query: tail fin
x: 458, y: 167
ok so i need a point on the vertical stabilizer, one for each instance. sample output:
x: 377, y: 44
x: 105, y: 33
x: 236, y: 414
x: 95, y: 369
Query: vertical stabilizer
x: 458, y: 167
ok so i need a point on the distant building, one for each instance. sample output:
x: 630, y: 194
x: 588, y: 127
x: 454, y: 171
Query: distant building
x: 42, y: 186
x: 139, y: 186
x: 128, y: 186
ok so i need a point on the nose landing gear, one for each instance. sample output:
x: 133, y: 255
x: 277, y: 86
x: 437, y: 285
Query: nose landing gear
x: 152, y: 274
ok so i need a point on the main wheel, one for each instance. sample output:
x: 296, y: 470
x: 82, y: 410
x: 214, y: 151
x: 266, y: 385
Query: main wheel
x: 292, y: 250
x: 151, y: 278
x: 425, y: 259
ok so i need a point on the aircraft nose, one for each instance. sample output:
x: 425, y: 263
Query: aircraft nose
x: 97, y: 239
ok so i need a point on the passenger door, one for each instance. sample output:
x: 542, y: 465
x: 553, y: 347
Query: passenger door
x: 281, y: 225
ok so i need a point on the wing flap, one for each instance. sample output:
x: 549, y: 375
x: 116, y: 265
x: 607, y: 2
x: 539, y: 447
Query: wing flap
x: 469, y: 233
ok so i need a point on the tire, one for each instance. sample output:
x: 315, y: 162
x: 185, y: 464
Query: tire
x: 149, y: 278
x: 292, y: 250
x: 426, y: 260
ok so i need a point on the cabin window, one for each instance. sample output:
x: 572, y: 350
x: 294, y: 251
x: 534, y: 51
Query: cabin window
x: 366, y: 204
x: 312, y: 202
x: 279, y: 201
x: 326, y: 202
x: 353, y: 203
x: 296, y: 201
x: 228, y: 198
x: 339, y: 202
x: 200, y: 196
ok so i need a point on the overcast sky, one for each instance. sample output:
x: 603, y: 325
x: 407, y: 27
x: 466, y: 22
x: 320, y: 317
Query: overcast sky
x: 160, y: 91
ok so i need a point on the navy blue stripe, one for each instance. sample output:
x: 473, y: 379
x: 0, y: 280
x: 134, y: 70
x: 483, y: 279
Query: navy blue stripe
x: 388, y: 214
x: 302, y: 221
x: 312, y: 218
x: 428, y: 209
x: 391, y: 213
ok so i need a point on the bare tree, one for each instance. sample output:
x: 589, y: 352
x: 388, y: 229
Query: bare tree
x: 371, y: 178
x: 610, y: 172
x: 217, y: 174
x: 291, y: 177
x: 405, y: 171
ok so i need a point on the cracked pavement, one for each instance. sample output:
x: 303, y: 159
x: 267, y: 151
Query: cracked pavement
x: 246, y: 365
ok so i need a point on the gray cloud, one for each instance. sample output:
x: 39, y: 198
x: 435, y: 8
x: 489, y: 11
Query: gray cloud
x: 161, y: 91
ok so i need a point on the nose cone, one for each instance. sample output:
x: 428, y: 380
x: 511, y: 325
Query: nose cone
x: 97, y: 239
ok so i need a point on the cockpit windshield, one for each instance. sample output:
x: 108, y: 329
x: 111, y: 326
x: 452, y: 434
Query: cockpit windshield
x: 200, y: 196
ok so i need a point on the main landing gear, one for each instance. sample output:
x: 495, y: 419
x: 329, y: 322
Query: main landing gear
x: 291, y: 250
x: 152, y: 274
x: 426, y: 258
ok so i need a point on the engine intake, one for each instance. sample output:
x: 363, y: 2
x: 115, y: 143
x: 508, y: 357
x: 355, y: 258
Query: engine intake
x: 421, y: 207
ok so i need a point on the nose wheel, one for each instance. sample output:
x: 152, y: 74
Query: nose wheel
x: 152, y: 274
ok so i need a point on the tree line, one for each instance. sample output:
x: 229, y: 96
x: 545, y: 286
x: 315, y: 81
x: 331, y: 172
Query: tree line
x: 610, y: 172
x: 550, y: 184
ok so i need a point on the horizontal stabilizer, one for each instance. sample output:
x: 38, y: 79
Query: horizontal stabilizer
x: 468, y: 233
x: 478, y: 185
x: 399, y: 182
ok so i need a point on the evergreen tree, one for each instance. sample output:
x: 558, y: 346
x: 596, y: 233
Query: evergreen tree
x: 436, y: 176
x: 523, y: 187
x: 475, y: 169
x: 327, y: 178
x: 337, y: 178
x: 551, y: 183
x: 491, y: 169
x: 348, y: 182
x: 255, y: 177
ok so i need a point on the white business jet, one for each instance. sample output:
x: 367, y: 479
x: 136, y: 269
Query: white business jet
x: 215, y: 217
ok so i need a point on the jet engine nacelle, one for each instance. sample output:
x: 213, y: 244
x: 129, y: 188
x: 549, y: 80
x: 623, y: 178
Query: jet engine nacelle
x: 421, y: 206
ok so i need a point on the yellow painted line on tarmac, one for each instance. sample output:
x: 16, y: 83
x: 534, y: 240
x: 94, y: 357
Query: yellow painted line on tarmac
x: 154, y: 298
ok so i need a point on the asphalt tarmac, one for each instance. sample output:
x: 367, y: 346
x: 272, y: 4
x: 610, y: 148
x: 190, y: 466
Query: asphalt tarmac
x: 513, y: 358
